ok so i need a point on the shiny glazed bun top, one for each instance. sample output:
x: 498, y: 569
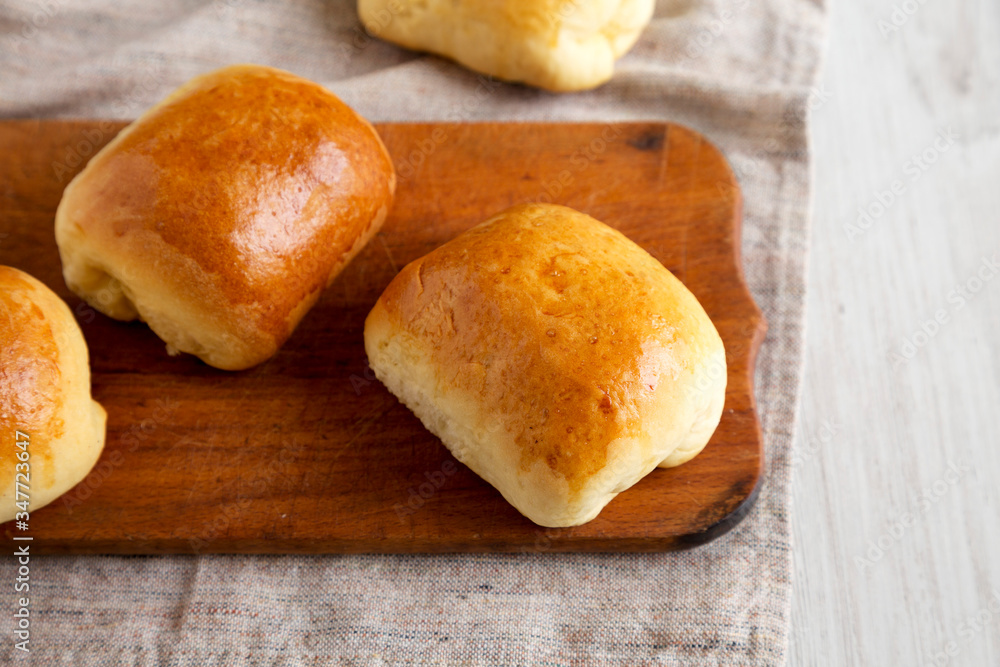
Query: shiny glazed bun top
x: 220, y: 214
x: 44, y: 394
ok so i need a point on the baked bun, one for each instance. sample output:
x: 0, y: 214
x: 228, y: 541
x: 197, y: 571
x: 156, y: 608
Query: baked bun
x: 553, y: 356
x: 560, y: 45
x: 45, y: 394
x: 220, y: 214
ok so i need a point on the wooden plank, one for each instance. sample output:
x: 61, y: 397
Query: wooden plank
x: 307, y: 452
x: 877, y: 434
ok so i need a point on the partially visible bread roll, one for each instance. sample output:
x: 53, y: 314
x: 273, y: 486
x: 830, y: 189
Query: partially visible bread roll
x: 44, y: 394
x: 553, y: 356
x: 561, y: 45
x: 220, y: 214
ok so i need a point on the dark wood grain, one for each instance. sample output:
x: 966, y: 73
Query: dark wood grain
x: 307, y: 452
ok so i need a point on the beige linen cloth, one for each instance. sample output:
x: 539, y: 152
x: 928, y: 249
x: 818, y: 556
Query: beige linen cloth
x: 740, y: 71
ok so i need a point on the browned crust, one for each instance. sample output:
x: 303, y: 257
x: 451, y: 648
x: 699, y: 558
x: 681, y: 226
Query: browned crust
x: 561, y: 327
x: 247, y: 189
x: 31, y: 381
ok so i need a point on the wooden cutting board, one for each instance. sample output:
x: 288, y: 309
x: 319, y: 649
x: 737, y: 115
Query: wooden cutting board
x: 308, y: 453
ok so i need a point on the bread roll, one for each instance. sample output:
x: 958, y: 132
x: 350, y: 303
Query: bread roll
x: 44, y: 393
x: 561, y: 45
x: 220, y: 214
x: 553, y: 356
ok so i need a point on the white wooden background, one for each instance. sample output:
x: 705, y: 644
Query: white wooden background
x: 896, y: 510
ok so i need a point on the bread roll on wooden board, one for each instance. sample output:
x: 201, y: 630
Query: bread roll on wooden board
x: 560, y: 45
x: 219, y: 215
x: 44, y: 397
x: 553, y: 356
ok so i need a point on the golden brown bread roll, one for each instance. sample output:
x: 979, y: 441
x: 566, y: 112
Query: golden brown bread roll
x: 553, y: 356
x: 44, y: 394
x: 220, y: 214
x: 561, y: 45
